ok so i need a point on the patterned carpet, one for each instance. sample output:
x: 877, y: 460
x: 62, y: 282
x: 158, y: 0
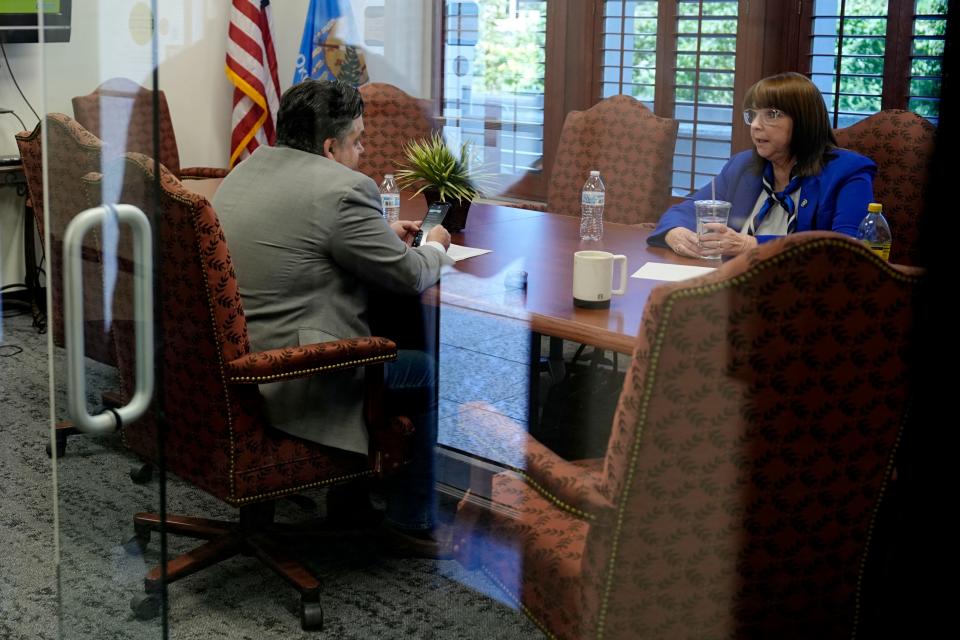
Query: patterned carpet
x: 365, y: 595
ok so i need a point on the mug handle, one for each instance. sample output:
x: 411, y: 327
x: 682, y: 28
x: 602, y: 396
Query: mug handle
x: 623, y: 275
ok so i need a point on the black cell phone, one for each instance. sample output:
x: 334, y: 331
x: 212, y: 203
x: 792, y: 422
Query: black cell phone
x: 435, y: 215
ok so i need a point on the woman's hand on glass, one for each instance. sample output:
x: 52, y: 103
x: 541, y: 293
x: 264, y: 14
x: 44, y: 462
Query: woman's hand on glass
x: 683, y: 241
x: 725, y: 241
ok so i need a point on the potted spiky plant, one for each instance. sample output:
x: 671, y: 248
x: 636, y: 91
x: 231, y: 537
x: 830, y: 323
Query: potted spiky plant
x: 432, y: 169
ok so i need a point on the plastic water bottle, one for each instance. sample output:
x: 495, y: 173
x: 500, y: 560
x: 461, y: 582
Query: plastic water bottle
x: 390, y: 199
x: 875, y: 232
x: 591, y: 208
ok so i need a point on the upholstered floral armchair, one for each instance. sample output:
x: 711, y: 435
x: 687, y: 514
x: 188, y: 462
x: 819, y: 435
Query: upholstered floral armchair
x: 215, y: 432
x: 391, y: 119
x: 73, y: 152
x: 630, y: 146
x: 749, y: 455
x: 901, y: 143
x: 121, y: 112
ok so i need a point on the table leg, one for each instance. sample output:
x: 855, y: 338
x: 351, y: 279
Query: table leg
x: 533, y: 384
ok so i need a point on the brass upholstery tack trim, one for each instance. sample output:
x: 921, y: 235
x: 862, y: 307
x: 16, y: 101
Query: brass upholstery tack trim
x: 301, y: 372
x: 308, y: 485
x: 217, y: 337
x: 555, y: 500
x: 653, y: 360
x: 858, y: 593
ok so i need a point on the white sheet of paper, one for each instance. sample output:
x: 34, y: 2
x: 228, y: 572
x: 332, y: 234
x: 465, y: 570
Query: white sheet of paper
x: 462, y: 253
x: 669, y: 272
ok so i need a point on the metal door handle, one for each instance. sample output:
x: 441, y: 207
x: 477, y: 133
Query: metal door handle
x: 78, y: 228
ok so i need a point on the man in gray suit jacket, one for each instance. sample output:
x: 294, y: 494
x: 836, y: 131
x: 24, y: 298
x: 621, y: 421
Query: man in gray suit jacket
x: 307, y: 240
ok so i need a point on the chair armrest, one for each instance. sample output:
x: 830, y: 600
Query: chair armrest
x: 568, y: 485
x: 201, y: 173
x: 297, y: 362
x: 571, y: 486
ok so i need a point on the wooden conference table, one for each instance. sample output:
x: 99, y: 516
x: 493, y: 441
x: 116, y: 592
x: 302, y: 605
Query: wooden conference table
x: 542, y: 245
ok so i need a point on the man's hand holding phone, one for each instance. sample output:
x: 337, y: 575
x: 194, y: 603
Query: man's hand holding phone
x: 431, y: 222
x: 439, y: 234
x: 406, y: 230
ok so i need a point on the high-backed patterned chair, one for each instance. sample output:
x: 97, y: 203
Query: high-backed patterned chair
x: 749, y: 455
x: 74, y: 152
x: 29, y: 144
x: 121, y: 112
x: 630, y: 146
x: 391, y: 118
x: 215, y: 432
x: 901, y: 143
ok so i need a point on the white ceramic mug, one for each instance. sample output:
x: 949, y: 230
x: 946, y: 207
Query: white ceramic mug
x: 593, y: 278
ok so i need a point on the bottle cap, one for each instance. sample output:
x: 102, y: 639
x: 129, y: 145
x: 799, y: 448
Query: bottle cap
x: 388, y: 176
x: 594, y: 172
x: 875, y: 207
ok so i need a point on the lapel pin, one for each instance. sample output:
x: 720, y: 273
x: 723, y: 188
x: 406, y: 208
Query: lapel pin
x: 803, y: 202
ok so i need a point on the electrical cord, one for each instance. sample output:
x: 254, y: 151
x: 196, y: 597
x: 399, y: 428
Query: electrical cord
x: 14, y: 114
x: 8, y: 350
x: 39, y: 316
x: 3, y: 49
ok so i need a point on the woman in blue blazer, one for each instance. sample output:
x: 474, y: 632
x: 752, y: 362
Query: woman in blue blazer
x: 795, y: 179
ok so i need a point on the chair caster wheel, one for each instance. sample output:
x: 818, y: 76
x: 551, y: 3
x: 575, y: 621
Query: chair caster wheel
x: 311, y: 615
x: 141, y: 474
x: 145, y: 606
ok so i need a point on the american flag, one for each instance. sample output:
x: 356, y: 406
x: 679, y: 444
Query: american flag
x: 252, y: 68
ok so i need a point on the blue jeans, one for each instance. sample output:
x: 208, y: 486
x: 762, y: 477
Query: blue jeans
x: 410, y: 496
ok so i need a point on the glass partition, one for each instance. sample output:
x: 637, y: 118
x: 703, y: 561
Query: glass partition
x: 677, y: 446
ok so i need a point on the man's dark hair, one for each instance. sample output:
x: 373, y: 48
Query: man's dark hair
x: 314, y: 110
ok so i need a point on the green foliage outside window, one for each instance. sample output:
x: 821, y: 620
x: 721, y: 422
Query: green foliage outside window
x: 864, y: 45
x: 510, y: 53
x: 861, y: 65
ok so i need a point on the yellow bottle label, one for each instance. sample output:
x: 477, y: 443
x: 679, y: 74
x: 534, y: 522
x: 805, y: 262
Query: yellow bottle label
x: 882, y: 250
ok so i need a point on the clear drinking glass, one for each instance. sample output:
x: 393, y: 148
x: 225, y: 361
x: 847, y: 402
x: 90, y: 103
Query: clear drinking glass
x: 710, y: 211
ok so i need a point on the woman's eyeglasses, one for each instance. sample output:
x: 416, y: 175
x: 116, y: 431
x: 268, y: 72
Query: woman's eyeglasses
x: 766, y: 115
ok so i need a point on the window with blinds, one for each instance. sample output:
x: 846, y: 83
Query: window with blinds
x: 926, y: 57
x: 493, y: 81
x: 706, y: 46
x: 629, y: 57
x: 868, y: 55
x: 690, y: 60
x: 847, y: 52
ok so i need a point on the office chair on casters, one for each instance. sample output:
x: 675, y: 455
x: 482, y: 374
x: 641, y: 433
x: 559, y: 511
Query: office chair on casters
x: 750, y: 455
x: 215, y: 434
x: 121, y: 113
x: 901, y: 143
x: 74, y: 152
